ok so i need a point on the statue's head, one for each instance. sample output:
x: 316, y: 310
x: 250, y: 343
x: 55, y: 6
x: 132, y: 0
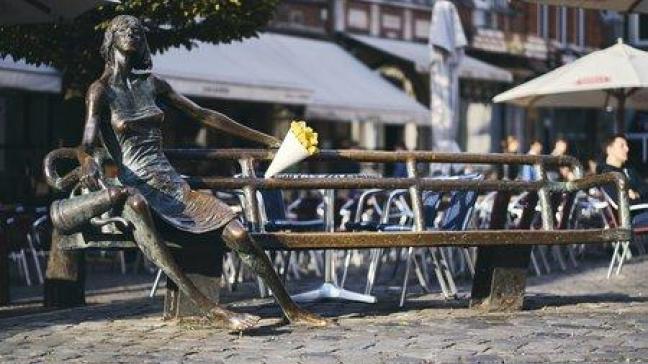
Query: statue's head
x: 127, y: 35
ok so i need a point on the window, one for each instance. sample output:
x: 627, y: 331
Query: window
x: 358, y: 19
x: 639, y: 29
x: 296, y: 16
x: 581, y: 28
x: 561, y: 25
x: 543, y: 21
x: 390, y: 21
x: 484, y: 15
x: 421, y: 29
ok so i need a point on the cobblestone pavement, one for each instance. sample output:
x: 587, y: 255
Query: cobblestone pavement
x: 575, y: 317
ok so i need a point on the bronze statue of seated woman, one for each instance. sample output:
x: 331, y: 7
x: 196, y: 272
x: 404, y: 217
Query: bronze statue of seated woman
x: 121, y: 108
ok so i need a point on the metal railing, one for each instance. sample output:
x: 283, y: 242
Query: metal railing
x: 415, y: 183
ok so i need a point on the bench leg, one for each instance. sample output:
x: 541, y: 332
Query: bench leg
x: 500, y: 278
x: 65, y: 276
x: 203, y: 264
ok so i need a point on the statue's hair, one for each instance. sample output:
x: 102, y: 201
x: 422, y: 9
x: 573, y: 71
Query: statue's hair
x: 143, y: 60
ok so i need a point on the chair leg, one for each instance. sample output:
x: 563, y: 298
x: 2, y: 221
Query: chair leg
x: 625, y: 255
x: 419, y: 273
x: 37, y: 265
x: 156, y: 283
x: 469, y: 261
x: 557, y: 253
x: 25, y: 267
x: 438, y: 270
x: 371, y: 273
x: 448, y: 275
x: 616, y: 245
x: 286, y: 265
x: 316, y: 262
x: 572, y: 255
x: 122, y: 261
x: 347, y: 261
x: 543, y: 257
x: 534, y: 263
x: 408, y: 263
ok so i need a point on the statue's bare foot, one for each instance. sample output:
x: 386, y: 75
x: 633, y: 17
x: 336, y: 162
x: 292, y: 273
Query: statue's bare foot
x: 231, y: 320
x: 299, y: 316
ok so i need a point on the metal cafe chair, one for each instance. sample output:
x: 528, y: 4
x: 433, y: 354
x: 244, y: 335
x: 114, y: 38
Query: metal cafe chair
x: 16, y: 232
x: 621, y: 252
x: 273, y: 219
x: 430, y: 206
x: 456, y: 217
x: 367, y: 214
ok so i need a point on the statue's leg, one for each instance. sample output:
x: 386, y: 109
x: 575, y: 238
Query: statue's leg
x: 237, y: 239
x: 148, y: 240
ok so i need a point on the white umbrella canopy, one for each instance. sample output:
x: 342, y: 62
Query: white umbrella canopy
x: 44, y: 11
x: 623, y: 6
x: 616, y: 77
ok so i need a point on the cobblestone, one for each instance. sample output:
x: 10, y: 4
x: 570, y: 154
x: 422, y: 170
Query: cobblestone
x: 579, y: 317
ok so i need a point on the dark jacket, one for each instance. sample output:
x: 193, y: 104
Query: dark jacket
x: 634, y: 183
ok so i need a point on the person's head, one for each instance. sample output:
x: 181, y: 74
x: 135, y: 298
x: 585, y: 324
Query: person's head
x: 126, y: 34
x: 535, y: 148
x: 512, y: 144
x: 616, y: 150
x: 560, y: 147
x: 400, y: 146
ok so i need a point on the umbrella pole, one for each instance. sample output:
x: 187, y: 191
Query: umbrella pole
x: 620, y: 112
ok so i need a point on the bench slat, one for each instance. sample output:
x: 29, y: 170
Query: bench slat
x: 360, y: 240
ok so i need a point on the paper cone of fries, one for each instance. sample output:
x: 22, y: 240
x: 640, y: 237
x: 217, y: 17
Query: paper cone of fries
x: 300, y: 143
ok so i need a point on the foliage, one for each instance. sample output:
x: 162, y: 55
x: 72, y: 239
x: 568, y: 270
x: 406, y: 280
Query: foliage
x: 73, y: 47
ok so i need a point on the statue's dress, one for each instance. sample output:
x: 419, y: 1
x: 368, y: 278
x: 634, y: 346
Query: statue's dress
x: 137, y: 151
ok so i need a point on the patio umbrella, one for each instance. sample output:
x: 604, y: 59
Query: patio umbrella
x: 613, y: 77
x: 44, y: 11
x: 447, y: 42
x: 623, y: 6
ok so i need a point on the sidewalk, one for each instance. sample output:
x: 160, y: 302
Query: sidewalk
x: 571, y: 317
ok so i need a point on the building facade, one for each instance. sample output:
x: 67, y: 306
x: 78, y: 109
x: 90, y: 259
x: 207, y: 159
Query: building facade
x: 522, y: 38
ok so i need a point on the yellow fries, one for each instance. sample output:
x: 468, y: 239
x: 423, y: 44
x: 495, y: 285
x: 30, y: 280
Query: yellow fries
x: 306, y: 136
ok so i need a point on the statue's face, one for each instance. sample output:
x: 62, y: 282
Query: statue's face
x: 128, y: 38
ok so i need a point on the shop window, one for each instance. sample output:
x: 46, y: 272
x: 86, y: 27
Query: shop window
x: 296, y: 17
x: 639, y: 29
x: 421, y: 29
x: 484, y: 14
x: 358, y: 18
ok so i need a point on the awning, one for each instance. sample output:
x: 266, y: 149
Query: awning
x: 22, y: 76
x: 332, y: 84
x: 419, y: 54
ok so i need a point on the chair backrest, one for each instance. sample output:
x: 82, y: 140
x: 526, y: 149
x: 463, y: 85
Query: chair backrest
x: 273, y: 205
x: 431, y: 202
x: 462, y: 204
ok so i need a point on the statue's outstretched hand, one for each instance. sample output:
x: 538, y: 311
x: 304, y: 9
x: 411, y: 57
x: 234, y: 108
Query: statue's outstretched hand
x: 274, y: 142
x: 90, y: 174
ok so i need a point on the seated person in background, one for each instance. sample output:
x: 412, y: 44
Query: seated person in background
x: 616, y: 154
x: 562, y: 173
x: 509, y: 171
x: 528, y: 172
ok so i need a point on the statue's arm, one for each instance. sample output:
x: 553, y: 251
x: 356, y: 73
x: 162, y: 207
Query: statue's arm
x: 89, y: 169
x: 211, y: 118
